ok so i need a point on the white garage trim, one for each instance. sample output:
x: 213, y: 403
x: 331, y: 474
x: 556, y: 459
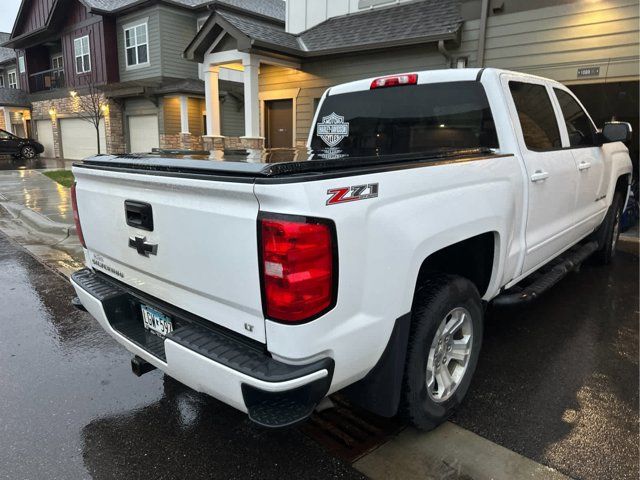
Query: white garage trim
x: 44, y: 129
x: 143, y: 133
x: 79, y: 138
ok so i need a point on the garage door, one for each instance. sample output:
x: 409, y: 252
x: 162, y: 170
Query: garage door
x: 79, y: 138
x: 45, y: 137
x: 143, y: 133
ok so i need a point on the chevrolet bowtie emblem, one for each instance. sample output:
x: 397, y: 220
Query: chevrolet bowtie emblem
x: 142, y: 247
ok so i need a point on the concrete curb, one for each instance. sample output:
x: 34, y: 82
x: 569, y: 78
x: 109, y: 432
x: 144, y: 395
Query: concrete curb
x: 37, y: 221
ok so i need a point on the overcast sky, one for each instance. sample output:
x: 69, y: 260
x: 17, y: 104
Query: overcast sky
x: 8, y: 11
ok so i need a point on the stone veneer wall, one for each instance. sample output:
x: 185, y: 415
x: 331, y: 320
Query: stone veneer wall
x: 2, y: 122
x: 67, y: 107
x: 181, y: 141
x: 232, y: 143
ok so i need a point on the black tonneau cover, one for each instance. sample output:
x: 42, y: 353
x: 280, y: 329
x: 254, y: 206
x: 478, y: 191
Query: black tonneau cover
x: 266, y: 165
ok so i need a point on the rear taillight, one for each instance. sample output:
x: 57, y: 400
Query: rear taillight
x: 299, y: 267
x: 76, y: 216
x: 395, y: 81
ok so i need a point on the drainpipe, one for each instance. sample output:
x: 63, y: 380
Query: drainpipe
x: 484, y: 14
x: 445, y: 53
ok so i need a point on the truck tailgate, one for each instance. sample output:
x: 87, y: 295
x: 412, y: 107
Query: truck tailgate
x: 206, y: 260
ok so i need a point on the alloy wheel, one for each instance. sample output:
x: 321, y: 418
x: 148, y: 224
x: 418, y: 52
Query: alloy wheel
x: 449, y: 354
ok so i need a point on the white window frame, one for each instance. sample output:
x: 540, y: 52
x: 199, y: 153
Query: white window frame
x: 135, y: 45
x: 81, y: 53
x: 13, y: 73
x: 21, y: 64
x: 60, y: 62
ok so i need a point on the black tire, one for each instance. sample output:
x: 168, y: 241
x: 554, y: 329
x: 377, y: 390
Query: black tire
x: 439, y: 296
x: 609, y: 231
x: 28, y: 152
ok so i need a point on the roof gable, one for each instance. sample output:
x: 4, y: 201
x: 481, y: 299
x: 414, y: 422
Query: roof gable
x: 32, y: 15
x: 411, y: 23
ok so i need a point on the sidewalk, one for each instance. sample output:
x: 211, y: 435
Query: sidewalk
x: 36, y: 212
x: 38, y: 193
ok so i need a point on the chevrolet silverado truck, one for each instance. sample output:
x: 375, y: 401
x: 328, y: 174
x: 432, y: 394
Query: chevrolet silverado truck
x: 366, y: 266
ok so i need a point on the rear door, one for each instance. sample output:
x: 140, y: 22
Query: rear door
x: 589, y: 161
x: 551, y: 171
x: 201, y: 235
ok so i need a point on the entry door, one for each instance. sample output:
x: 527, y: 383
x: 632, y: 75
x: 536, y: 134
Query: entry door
x: 551, y: 172
x: 581, y: 137
x: 279, y: 123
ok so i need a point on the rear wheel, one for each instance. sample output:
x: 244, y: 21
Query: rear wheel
x: 443, y: 350
x: 611, y: 231
x: 28, y: 152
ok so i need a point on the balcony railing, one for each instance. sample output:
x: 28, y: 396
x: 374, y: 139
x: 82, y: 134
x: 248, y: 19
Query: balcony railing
x: 47, y: 80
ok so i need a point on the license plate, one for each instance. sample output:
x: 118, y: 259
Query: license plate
x: 156, y: 321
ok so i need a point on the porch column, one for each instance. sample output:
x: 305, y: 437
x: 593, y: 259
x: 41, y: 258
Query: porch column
x: 212, y: 100
x: 184, y: 115
x: 251, y: 101
x: 7, y: 120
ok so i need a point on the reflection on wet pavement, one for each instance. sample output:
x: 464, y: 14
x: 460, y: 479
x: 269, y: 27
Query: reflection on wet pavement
x: 37, y: 192
x: 557, y: 380
x: 71, y: 408
x: 9, y: 163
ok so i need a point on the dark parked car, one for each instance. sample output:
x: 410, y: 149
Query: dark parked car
x: 18, y: 147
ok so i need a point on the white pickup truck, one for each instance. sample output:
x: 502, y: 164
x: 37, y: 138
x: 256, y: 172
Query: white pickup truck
x: 364, y: 268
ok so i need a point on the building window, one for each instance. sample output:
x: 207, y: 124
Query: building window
x: 83, y: 57
x: 57, y: 63
x: 1, y: 81
x: 21, y: 63
x: 136, y: 44
x: 537, y: 118
x: 13, y: 79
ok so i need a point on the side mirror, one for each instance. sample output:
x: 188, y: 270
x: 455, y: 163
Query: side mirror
x: 616, y: 132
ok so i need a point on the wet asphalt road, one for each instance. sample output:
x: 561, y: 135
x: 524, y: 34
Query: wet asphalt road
x: 557, y: 382
x: 70, y: 407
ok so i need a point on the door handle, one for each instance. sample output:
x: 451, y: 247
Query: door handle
x: 584, y: 166
x: 539, y: 176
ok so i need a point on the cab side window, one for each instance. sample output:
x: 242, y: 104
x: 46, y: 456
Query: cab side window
x: 581, y: 130
x: 536, y: 115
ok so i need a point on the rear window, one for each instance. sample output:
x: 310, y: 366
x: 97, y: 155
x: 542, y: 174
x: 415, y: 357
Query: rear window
x: 403, y: 120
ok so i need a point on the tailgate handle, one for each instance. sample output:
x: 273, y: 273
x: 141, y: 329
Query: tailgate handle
x: 139, y: 215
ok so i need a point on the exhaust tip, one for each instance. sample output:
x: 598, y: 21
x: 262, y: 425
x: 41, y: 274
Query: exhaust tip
x: 140, y: 366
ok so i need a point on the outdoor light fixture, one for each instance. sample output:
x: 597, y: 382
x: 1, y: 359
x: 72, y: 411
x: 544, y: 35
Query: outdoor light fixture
x: 105, y: 108
x: 52, y: 112
x: 73, y: 93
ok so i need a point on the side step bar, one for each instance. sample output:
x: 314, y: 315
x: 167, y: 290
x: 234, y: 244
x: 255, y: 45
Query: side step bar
x: 568, y: 263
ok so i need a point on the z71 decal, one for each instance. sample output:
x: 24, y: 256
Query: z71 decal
x: 351, y: 194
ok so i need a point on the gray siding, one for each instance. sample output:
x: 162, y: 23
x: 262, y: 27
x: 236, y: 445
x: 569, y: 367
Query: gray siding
x: 232, y: 113
x: 555, y: 41
x: 154, y: 68
x: 139, y: 106
x: 178, y: 29
x: 169, y: 32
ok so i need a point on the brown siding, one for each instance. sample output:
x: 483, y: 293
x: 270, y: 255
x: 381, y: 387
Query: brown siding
x: 34, y: 15
x: 196, y: 106
x: 171, y: 115
x: 100, y: 73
